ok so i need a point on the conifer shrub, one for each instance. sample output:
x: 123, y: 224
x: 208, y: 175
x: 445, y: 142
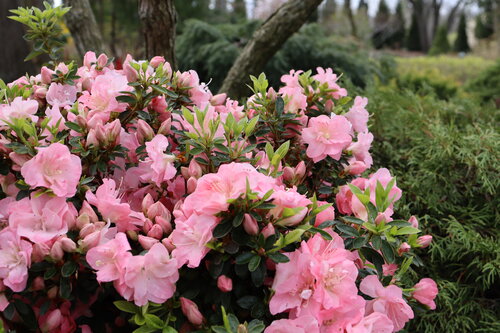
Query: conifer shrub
x: 487, y: 84
x: 462, y: 41
x: 448, y: 152
x: 440, y: 44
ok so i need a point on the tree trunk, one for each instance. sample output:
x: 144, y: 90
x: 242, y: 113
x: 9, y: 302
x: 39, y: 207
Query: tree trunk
x: 158, y: 26
x: 452, y: 15
x: 14, y: 48
x: 265, y: 42
x: 352, y: 22
x: 84, y: 30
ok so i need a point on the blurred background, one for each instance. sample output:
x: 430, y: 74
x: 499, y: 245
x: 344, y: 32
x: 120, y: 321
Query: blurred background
x: 431, y: 71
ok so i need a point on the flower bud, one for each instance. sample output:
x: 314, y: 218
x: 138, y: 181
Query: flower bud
x: 250, y: 225
x: 147, y: 242
x: 38, y: 283
x: 46, y: 74
x: 148, y: 224
x: 190, y: 310
x: 144, y: 131
x: 165, y: 127
x: 40, y: 251
x: 156, y: 232
x: 53, y: 321
x: 224, y: 284
x: 102, y: 60
x: 424, y: 241
x: 147, y: 202
x: 52, y: 292
x: 195, y: 169
x: 191, y: 185
x: 403, y: 248
x: 40, y: 92
x: 129, y: 72
x: 87, y: 230
x: 288, y: 174
x: 156, y: 61
x: 88, y: 59
x: 56, y: 252
x: 268, y: 230
x: 164, y: 223
x: 67, y: 244
x: 167, y: 242
x: 413, y: 221
x: 218, y: 99
x: 62, y: 67
x: 157, y: 209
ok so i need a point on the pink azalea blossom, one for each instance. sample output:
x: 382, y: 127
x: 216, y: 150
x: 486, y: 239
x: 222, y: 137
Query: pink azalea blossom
x: 303, y: 324
x: 327, y: 137
x: 190, y: 310
x: 19, y: 109
x: 361, y: 149
x: 387, y: 300
x: 61, y: 95
x: 357, y: 115
x: 41, y: 218
x: 330, y: 79
x: 152, y: 277
x: 425, y: 292
x: 109, y: 259
x: 287, y: 202
x: 190, y: 239
x: 15, y: 259
x: 376, y: 322
x: 160, y: 166
x: 292, y: 80
x: 224, y: 283
x: 295, y: 100
x: 54, y: 167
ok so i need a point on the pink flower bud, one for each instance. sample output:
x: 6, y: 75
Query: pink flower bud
x: 156, y: 61
x: 218, y: 99
x: 144, y: 131
x: 87, y: 210
x: 424, y: 240
x: 425, y: 292
x: 147, y: 242
x: 268, y: 230
x: 185, y: 172
x: 40, y: 251
x: 157, y: 209
x: 129, y: 72
x: 288, y: 174
x: 195, y: 169
x: 167, y: 242
x: 356, y: 167
x: 62, y: 67
x: 156, y: 232
x: 82, y: 221
x: 165, y: 224
x: 165, y: 127
x: 67, y: 244
x: 52, y: 292
x: 41, y: 92
x: 191, y: 185
x: 382, y: 217
x: 53, y: 321
x: 224, y: 284
x: 46, y: 75
x: 271, y: 93
x: 148, y: 224
x: 190, y: 310
x: 403, y: 248
x: 88, y: 59
x: 87, y: 230
x: 38, y: 283
x: 250, y: 225
x: 413, y: 221
x: 147, y: 202
x: 300, y: 170
x: 92, y: 139
x: 56, y: 252
x: 102, y: 60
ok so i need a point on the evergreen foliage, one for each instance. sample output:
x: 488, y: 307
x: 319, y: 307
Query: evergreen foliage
x: 413, y: 37
x: 462, y: 42
x: 449, y: 155
x: 484, y: 27
x: 487, y: 84
x: 440, y: 44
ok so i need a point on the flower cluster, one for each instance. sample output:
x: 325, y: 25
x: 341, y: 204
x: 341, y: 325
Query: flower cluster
x: 137, y: 193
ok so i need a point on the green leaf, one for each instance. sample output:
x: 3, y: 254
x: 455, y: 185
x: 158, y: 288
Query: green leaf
x: 65, y: 288
x: 26, y: 313
x: 400, y: 223
x: 74, y: 126
x: 222, y: 229
x: 69, y: 268
x: 280, y: 105
x: 160, y: 89
x: 254, y: 263
x: 126, y: 306
x: 323, y: 233
x: 374, y: 257
x: 347, y: 229
x: 145, y: 329
x: 154, y: 321
x: 256, y: 326
x: 352, y: 219
x: 246, y: 302
x: 407, y: 231
x: 388, y: 251
x: 126, y: 99
x: 278, y: 257
x: 376, y: 242
x: 244, y: 258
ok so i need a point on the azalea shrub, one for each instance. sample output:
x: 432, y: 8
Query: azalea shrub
x: 135, y: 199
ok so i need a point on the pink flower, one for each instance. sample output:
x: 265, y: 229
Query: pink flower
x: 54, y: 167
x: 330, y: 79
x: 291, y: 207
x: 388, y: 301
x: 424, y: 241
x: 327, y: 137
x: 58, y: 320
x: 292, y: 80
x: 109, y: 259
x: 152, y: 277
x: 425, y: 292
x: 61, y: 95
x: 303, y: 324
x: 357, y: 115
x: 190, y: 310
x: 160, y: 166
x: 15, y: 259
x: 19, y: 109
x: 250, y: 225
x: 361, y: 149
x: 376, y: 322
x: 190, y: 238
x: 224, y: 283
x: 108, y: 203
x: 295, y: 100
x: 41, y: 218
x: 326, y: 215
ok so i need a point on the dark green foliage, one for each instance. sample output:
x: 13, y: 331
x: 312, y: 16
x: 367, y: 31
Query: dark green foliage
x: 239, y: 9
x: 440, y: 43
x: 484, y: 26
x: 198, y: 9
x: 487, y: 84
x: 413, y: 37
x: 211, y: 50
x: 446, y: 157
x: 462, y: 42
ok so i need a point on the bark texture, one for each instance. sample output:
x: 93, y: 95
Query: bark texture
x: 83, y: 27
x: 15, y: 48
x: 265, y: 42
x: 158, y: 20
